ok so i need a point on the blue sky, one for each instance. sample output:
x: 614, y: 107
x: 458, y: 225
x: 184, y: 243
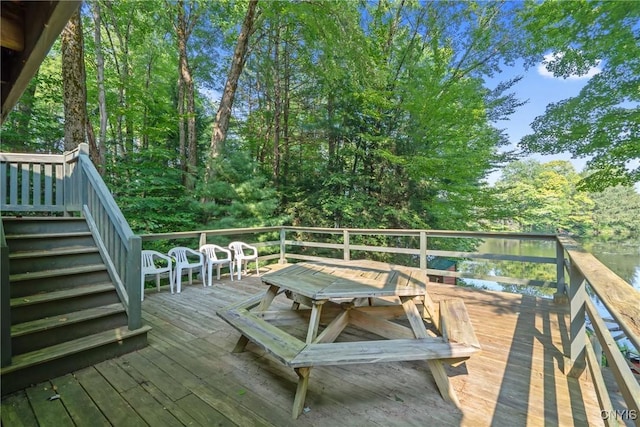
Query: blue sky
x: 540, y: 88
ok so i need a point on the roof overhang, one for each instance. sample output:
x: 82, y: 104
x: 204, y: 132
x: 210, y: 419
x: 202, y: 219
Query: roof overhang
x: 27, y: 32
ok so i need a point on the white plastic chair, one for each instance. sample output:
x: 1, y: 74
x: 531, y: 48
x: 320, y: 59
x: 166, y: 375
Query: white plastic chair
x: 242, y: 258
x: 186, y: 259
x: 212, y: 259
x: 149, y: 266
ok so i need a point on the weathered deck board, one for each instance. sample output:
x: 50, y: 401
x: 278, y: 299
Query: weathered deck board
x: 188, y: 375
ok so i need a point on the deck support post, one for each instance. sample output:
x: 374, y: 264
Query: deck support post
x: 575, y: 364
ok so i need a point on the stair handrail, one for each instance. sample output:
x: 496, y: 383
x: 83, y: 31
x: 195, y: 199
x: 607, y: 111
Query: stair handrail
x: 5, y: 302
x: 120, y: 247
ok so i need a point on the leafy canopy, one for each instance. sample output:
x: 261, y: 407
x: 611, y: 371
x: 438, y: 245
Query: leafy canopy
x: 603, y: 122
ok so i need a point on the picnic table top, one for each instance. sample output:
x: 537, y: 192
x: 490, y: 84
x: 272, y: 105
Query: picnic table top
x: 349, y: 279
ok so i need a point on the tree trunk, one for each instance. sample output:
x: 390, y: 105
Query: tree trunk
x: 182, y: 149
x: 123, y: 122
x: 102, y: 97
x: 74, y: 83
x: 223, y: 115
x: 286, y: 112
x: 277, y: 105
x: 145, y: 117
x: 188, y: 139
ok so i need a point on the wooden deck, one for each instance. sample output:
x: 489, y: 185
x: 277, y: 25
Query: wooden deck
x: 188, y: 375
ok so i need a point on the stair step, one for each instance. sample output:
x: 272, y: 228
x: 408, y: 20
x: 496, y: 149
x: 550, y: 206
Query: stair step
x: 50, y: 354
x: 56, y: 273
x: 51, y: 323
x: 74, y: 250
x: 47, y: 235
x: 61, y: 295
x: 26, y: 225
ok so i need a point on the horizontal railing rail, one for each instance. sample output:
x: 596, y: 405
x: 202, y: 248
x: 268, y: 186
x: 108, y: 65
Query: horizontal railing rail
x: 620, y: 299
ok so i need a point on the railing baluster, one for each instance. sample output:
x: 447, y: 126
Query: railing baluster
x: 423, y: 251
x: 576, y: 363
x: 24, y: 196
x: 59, y: 189
x: 283, y: 239
x: 48, y: 184
x: 13, y: 183
x: 37, y: 184
x: 3, y: 183
x: 347, y: 249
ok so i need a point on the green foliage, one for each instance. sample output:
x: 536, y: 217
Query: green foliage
x: 240, y: 196
x: 36, y: 123
x: 603, y: 121
x: 150, y: 194
x: 544, y: 197
x: 616, y: 213
x: 371, y: 115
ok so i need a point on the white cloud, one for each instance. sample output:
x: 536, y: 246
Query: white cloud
x: 551, y: 57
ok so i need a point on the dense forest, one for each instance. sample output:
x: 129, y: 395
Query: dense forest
x: 373, y: 114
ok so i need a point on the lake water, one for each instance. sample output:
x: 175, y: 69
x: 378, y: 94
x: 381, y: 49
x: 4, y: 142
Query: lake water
x: 623, y: 258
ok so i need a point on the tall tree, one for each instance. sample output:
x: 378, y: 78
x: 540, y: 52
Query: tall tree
x: 187, y: 17
x: 102, y: 100
x: 221, y: 124
x: 603, y: 121
x: 74, y: 82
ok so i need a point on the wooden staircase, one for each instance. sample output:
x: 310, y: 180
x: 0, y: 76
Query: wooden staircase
x: 65, y: 311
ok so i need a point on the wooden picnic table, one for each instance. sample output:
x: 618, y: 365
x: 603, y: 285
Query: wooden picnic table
x: 366, y: 294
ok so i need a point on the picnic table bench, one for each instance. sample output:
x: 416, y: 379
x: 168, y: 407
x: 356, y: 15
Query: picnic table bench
x: 365, y: 294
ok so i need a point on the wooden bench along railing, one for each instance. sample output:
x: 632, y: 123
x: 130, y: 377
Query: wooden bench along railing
x: 575, y: 271
x: 70, y: 184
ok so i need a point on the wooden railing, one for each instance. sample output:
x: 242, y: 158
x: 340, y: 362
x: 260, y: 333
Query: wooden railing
x: 69, y: 183
x: 584, y: 272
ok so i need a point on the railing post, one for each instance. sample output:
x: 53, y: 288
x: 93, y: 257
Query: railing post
x: 133, y: 282
x: 347, y: 250
x: 560, y: 296
x: 67, y: 184
x: 423, y: 251
x: 283, y: 236
x: 203, y: 239
x: 83, y: 149
x: 576, y: 363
